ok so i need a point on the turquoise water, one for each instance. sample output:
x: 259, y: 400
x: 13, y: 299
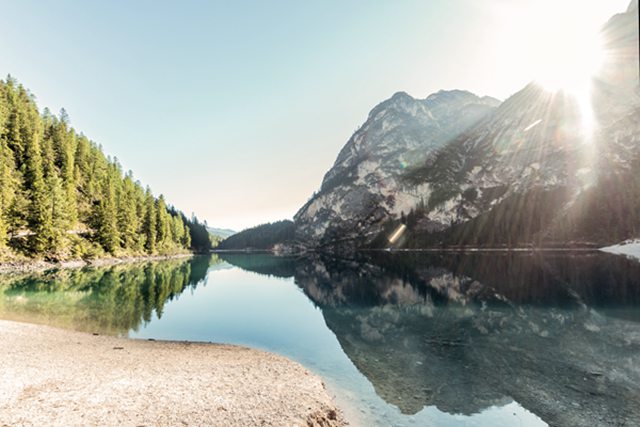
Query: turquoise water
x: 400, y: 340
x: 234, y: 306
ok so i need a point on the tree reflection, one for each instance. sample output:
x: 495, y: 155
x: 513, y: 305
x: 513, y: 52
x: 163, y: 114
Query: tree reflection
x: 111, y: 300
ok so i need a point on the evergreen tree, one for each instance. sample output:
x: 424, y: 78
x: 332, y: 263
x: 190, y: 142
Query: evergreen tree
x: 6, y: 181
x: 64, y: 144
x: 27, y: 130
x: 6, y: 190
x: 56, y: 197
x: 162, y: 223
x: 177, y: 231
x: 150, y: 221
x: 128, y: 223
x: 186, y: 240
x: 106, y: 219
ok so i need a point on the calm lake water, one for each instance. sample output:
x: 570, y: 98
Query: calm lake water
x: 400, y: 338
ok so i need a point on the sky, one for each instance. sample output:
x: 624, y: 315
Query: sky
x: 234, y: 110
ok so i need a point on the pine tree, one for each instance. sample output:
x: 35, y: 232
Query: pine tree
x: 127, y: 218
x: 27, y: 131
x: 106, y: 218
x: 141, y: 213
x: 162, y: 223
x: 56, y: 200
x: 150, y: 221
x: 186, y: 240
x: 6, y: 190
x: 64, y: 144
x: 177, y: 231
x: 6, y: 184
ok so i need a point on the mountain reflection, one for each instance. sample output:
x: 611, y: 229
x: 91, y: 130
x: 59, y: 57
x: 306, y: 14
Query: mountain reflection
x: 110, y: 300
x: 558, y: 333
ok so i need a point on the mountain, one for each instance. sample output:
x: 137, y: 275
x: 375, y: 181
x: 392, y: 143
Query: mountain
x: 217, y: 235
x: 541, y: 168
x: 221, y: 232
x: 620, y: 36
x: 537, y: 171
x: 365, y: 184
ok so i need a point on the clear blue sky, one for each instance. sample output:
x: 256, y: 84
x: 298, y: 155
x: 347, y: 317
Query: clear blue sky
x: 234, y: 110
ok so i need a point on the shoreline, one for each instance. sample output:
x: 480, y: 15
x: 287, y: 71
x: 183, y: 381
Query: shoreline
x: 446, y: 249
x: 37, y: 266
x: 53, y: 376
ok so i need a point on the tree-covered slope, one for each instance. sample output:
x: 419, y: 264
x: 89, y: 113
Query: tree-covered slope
x: 61, y: 197
x: 262, y: 237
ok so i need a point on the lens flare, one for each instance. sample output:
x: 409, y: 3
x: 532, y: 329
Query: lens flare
x: 398, y: 232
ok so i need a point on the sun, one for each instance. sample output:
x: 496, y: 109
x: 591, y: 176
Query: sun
x: 568, y: 50
x: 572, y: 60
x: 559, y: 41
x: 558, y: 45
x: 570, y: 54
x: 571, y: 69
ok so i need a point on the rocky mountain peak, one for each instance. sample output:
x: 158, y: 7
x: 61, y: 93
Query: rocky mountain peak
x: 401, y: 95
x: 363, y: 185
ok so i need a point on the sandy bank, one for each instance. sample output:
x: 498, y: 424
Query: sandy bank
x: 57, y: 377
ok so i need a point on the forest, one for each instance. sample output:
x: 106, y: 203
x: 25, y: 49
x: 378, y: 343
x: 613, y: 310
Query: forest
x: 262, y: 237
x: 61, y: 197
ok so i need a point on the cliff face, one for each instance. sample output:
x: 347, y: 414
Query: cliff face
x: 365, y: 187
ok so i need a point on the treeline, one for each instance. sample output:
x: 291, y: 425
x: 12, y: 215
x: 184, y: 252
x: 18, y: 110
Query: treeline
x: 263, y: 236
x: 61, y: 197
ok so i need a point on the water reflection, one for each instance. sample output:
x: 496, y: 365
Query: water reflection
x: 112, y: 300
x: 557, y: 333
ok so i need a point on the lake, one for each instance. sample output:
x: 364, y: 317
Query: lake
x: 443, y: 339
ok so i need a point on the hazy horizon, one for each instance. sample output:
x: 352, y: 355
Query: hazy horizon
x: 254, y: 101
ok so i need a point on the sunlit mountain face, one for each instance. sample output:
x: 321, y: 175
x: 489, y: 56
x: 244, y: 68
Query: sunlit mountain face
x: 554, y: 164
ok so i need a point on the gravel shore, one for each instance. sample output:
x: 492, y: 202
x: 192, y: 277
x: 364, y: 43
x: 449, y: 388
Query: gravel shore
x: 57, y: 377
x: 35, y: 266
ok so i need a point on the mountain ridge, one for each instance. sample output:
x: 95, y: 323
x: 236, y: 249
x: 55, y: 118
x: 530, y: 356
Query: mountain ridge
x: 398, y: 133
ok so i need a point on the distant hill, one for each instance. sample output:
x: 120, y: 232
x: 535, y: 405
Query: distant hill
x: 223, y: 233
x: 263, y: 236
